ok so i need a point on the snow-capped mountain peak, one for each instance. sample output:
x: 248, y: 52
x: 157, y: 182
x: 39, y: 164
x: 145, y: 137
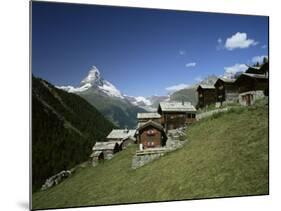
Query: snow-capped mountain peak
x: 93, y: 77
x: 95, y: 80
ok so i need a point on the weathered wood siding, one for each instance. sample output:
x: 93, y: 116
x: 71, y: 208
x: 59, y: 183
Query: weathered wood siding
x: 253, y: 84
x: 150, y: 140
x: 226, y: 91
x: 177, y: 120
x: 206, y: 97
x: 220, y: 89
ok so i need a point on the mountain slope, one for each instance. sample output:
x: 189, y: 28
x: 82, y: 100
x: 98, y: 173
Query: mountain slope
x: 119, y: 111
x: 106, y: 98
x: 214, y: 163
x: 188, y: 94
x: 64, y: 128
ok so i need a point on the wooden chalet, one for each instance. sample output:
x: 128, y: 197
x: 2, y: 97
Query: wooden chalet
x: 176, y: 114
x: 109, y: 148
x: 226, y: 90
x: 252, y: 87
x: 206, y: 95
x: 123, y: 137
x: 151, y: 135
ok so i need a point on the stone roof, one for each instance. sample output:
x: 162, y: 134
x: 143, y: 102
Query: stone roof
x: 121, y: 134
x: 261, y: 76
x: 152, y: 123
x: 253, y: 67
x: 204, y: 86
x: 176, y: 106
x: 227, y: 80
x: 95, y: 153
x: 148, y: 115
x: 100, y: 146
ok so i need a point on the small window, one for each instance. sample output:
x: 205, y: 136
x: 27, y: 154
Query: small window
x: 150, y: 133
x: 193, y: 116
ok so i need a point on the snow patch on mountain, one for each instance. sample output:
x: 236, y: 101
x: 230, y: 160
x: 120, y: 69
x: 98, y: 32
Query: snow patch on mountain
x: 138, y: 101
x: 72, y: 89
x: 110, y: 89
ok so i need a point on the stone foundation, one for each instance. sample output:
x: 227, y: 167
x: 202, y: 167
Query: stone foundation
x: 141, y: 160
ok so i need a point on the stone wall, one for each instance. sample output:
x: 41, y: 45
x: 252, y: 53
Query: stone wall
x: 141, y: 160
x: 143, y: 157
x: 255, y: 96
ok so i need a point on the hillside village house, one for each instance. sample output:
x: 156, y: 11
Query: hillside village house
x: 176, y: 114
x: 151, y: 135
x: 227, y: 90
x: 252, y: 87
x: 108, y: 149
x: 123, y: 137
x: 206, y: 95
x: 97, y: 156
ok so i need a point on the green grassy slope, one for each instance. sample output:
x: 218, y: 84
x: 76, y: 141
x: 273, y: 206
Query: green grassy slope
x: 227, y: 155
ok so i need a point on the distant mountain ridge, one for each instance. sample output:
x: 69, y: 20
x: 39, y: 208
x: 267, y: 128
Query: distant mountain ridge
x: 150, y: 103
x: 122, y: 109
x: 64, y: 129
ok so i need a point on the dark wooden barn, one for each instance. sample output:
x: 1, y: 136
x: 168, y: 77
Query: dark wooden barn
x: 176, y: 114
x: 252, y: 82
x: 226, y: 90
x: 206, y: 95
x: 151, y: 135
x: 252, y: 87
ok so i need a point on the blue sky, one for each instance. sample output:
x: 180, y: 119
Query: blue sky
x: 143, y: 52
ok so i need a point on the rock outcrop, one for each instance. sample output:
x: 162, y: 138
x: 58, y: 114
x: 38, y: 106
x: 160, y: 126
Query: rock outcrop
x: 55, y: 179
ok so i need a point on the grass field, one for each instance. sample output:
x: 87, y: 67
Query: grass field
x: 226, y: 155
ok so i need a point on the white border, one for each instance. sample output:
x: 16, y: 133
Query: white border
x: 14, y: 48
